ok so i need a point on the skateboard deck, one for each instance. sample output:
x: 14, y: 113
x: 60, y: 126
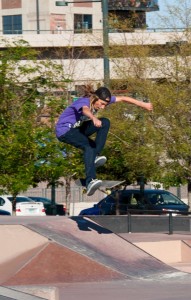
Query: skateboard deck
x: 106, y: 184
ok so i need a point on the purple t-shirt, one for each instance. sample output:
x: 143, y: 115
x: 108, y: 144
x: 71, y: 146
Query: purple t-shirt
x: 72, y: 116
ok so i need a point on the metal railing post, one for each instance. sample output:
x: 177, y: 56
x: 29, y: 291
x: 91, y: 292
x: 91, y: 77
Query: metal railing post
x: 170, y: 223
x: 129, y: 222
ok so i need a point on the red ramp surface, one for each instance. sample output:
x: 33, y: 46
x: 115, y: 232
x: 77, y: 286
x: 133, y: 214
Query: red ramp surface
x: 57, y: 264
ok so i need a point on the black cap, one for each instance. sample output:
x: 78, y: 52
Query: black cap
x: 103, y: 93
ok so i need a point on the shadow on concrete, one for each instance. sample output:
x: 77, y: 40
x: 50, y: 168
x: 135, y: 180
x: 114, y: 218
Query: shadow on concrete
x: 87, y: 225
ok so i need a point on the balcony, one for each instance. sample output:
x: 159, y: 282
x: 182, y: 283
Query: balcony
x: 133, y: 5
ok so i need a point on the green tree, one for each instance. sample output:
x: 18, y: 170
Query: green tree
x: 28, y: 110
x: 156, y: 145
x: 16, y: 120
x: 134, y: 145
x: 172, y: 106
x: 131, y: 145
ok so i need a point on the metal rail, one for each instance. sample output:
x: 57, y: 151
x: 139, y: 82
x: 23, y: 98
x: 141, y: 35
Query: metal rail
x: 154, y: 213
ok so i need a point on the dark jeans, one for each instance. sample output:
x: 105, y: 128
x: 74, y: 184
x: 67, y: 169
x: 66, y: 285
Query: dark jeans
x: 79, y: 138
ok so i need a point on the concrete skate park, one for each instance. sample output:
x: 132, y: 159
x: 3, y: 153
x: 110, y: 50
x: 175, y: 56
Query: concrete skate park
x: 60, y: 257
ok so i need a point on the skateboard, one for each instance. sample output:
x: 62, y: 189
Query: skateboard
x: 106, y: 186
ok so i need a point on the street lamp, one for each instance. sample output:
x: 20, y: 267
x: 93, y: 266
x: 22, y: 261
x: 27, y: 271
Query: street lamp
x: 105, y: 35
x: 37, y: 17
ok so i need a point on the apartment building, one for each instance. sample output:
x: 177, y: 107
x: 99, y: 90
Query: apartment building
x: 51, y: 16
x: 50, y: 24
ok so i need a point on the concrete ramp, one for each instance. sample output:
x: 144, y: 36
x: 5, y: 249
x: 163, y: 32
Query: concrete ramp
x: 76, y: 250
x: 18, y: 246
x: 57, y: 264
x: 74, y: 258
x: 89, y: 240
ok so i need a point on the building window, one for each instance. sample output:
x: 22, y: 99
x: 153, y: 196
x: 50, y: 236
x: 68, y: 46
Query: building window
x: 12, y: 24
x: 82, y: 23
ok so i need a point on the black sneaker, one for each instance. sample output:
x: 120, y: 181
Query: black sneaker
x: 93, y: 186
x: 100, y: 161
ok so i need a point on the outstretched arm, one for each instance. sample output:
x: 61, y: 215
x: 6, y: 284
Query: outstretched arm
x: 130, y: 100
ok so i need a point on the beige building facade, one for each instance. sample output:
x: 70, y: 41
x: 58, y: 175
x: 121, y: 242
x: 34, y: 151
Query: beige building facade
x: 44, y: 25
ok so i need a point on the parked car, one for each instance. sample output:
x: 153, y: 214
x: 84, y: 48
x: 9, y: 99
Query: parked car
x: 30, y: 209
x: 132, y: 200
x: 4, y: 213
x: 60, y: 208
x: 6, y: 203
x: 94, y: 210
x: 40, y: 199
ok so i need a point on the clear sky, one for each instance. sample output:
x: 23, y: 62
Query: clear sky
x: 153, y: 18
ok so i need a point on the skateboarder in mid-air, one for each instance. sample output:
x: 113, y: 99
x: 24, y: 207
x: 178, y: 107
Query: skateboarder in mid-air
x: 78, y: 122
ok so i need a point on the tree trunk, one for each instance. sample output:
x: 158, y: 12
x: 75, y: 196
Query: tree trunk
x: 68, y: 194
x: 189, y: 194
x: 53, y: 199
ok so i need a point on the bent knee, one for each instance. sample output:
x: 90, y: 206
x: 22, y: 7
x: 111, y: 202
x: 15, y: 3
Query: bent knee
x: 105, y: 122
